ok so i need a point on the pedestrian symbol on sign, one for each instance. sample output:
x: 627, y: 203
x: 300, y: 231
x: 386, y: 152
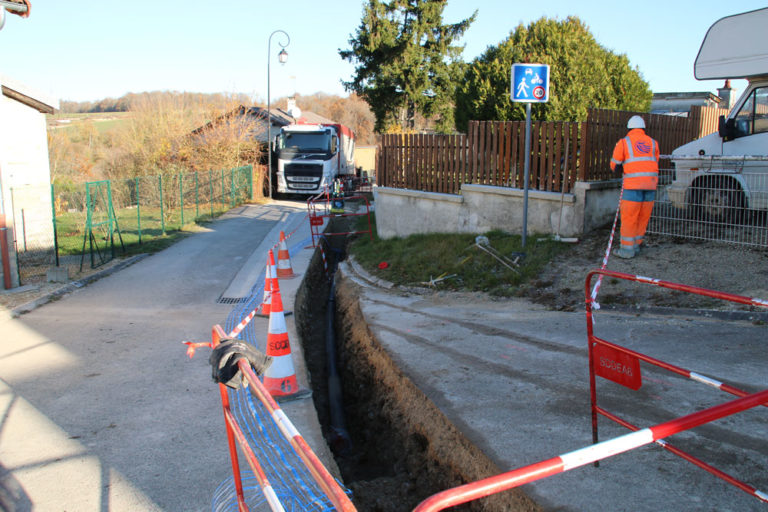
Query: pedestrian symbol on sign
x: 522, y: 89
x: 530, y: 83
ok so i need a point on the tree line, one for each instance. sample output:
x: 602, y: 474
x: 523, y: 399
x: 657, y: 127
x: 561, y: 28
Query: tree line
x: 408, y: 69
x: 132, y: 101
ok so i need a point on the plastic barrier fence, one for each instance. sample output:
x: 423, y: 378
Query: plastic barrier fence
x: 640, y: 437
x: 624, y: 367
x: 294, y: 483
x: 236, y: 437
x: 584, y: 456
x: 284, y: 473
x: 319, y: 208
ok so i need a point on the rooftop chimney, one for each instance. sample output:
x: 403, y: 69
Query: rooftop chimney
x: 292, y: 109
x: 726, y: 95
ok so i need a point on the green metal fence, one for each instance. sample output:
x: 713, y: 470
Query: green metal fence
x: 129, y: 213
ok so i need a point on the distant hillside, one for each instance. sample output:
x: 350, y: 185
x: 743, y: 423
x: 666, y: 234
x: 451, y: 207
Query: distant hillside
x: 131, y: 101
x: 351, y: 111
x: 102, y: 121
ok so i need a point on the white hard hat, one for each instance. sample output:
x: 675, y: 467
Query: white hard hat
x: 636, y: 122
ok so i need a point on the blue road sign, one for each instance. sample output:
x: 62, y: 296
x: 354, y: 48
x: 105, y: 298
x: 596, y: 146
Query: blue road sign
x: 530, y: 83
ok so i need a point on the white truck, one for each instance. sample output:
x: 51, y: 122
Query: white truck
x: 311, y: 156
x: 720, y: 175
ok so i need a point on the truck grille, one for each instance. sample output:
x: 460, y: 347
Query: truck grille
x: 303, y: 176
x: 310, y: 170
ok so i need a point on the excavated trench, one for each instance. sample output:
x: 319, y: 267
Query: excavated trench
x: 394, y: 447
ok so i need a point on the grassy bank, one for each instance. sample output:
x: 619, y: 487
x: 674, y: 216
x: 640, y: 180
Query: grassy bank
x: 457, y: 261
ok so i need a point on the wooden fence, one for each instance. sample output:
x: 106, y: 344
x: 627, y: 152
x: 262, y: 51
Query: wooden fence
x: 493, y: 152
x: 435, y: 163
x: 606, y: 127
x: 497, y: 154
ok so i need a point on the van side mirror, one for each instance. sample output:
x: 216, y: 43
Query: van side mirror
x: 726, y: 128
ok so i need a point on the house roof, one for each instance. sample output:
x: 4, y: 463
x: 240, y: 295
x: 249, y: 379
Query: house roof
x: 282, y: 118
x: 278, y: 117
x: 701, y: 95
x: 26, y: 95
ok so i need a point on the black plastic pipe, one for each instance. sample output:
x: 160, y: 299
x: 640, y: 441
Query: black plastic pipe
x: 339, y: 436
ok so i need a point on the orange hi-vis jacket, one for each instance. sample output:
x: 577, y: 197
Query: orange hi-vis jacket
x: 639, y: 155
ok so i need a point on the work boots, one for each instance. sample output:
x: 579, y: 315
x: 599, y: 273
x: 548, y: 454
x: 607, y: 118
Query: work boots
x: 625, y: 253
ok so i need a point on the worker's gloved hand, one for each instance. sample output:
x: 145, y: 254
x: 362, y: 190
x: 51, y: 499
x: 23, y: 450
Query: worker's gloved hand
x: 224, y: 360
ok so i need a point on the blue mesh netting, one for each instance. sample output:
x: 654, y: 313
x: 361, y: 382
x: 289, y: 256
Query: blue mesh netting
x: 292, y: 482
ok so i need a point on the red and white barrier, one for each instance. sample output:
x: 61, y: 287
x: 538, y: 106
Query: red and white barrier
x: 640, y: 437
x: 589, y: 454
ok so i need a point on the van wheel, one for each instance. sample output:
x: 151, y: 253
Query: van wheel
x: 719, y: 201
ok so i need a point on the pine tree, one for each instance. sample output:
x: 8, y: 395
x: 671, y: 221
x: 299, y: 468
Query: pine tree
x: 583, y: 74
x: 406, y: 62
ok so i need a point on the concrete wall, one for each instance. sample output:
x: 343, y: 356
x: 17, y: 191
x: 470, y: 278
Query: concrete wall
x: 481, y: 208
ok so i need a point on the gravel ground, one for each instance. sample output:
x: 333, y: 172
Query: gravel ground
x: 715, y: 266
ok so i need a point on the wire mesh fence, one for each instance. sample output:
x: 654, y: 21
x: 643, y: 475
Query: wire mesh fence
x: 729, y: 206
x: 32, y: 229
x: 52, y: 226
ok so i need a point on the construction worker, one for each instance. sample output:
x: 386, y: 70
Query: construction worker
x: 638, y: 154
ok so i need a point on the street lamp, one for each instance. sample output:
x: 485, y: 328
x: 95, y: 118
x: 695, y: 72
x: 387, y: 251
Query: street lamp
x: 282, y: 57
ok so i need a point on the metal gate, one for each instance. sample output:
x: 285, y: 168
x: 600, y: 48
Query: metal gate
x: 100, y: 225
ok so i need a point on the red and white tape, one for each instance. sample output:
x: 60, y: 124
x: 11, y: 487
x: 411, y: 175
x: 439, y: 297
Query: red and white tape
x: 596, y: 288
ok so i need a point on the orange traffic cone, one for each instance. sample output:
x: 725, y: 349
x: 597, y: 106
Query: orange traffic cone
x: 264, y: 308
x: 280, y: 377
x: 284, y: 269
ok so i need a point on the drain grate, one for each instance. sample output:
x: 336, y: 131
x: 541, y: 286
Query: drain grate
x: 231, y: 300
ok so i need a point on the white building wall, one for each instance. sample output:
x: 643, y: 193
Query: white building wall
x: 24, y: 178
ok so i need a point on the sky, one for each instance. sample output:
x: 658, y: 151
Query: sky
x: 94, y: 49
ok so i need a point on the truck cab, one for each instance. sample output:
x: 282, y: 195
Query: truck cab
x: 719, y: 175
x: 311, y: 156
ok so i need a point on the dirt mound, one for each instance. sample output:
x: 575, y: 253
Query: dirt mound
x: 715, y: 266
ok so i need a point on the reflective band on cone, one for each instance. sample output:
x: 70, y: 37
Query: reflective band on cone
x: 280, y: 377
x: 284, y: 268
x: 264, y: 308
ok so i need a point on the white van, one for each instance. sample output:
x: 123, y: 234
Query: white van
x: 723, y: 173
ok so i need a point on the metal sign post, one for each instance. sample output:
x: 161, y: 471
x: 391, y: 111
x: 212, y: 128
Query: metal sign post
x: 529, y: 84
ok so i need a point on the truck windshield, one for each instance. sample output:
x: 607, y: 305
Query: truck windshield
x: 306, y: 141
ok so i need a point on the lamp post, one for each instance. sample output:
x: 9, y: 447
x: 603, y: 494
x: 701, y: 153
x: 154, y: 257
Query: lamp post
x: 282, y: 57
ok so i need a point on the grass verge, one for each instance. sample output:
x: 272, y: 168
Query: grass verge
x: 455, y: 262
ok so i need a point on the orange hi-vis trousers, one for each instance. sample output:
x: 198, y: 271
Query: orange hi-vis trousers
x: 636, y: 207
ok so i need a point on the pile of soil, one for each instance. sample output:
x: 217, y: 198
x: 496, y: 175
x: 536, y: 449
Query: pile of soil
x: 715, y: 266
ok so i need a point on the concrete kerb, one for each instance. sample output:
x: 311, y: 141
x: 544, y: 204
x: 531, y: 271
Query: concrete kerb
x: 358, y: 274
x: 361, y: 273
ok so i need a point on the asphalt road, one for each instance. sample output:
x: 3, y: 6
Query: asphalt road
x: 100, y: 409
